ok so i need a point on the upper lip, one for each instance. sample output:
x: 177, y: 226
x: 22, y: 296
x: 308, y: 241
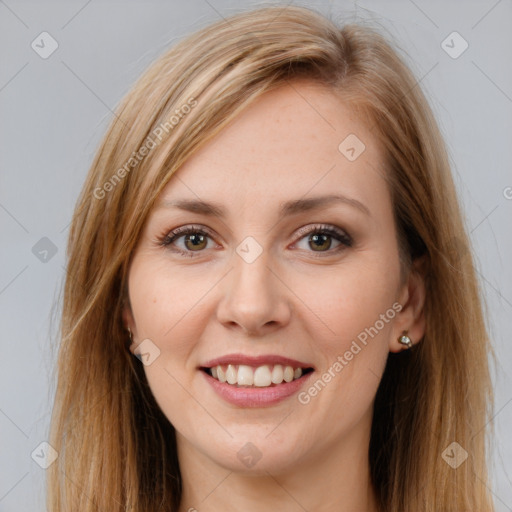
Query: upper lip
x: 255, y: 361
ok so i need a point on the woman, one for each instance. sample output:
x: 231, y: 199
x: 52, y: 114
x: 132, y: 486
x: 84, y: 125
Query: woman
x: 271, y: 228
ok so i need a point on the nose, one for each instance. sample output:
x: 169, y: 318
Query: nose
x: 254, y: 297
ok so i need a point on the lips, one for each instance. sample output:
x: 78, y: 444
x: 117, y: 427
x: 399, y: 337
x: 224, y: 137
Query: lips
x: 255, y: 381
x: 255, y: 361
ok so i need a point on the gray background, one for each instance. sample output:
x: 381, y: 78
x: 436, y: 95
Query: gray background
x: 54, y: 111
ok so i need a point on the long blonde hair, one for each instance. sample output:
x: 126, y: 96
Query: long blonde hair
x: 117, y: 450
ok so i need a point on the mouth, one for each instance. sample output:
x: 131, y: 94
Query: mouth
x: 252, y: 376
x: 255, y: 381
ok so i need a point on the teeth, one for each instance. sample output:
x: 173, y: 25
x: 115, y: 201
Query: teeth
x: 262, y: 376
x: 288, y: 374
x: 246, y: 377
x: 277, y: 374
x: 221, y: 375
x: 231, y: 374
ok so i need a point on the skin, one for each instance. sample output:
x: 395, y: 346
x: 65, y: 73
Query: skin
x: 292, y: 301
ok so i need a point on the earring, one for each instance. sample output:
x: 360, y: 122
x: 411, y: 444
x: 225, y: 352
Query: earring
x: 405, y: 340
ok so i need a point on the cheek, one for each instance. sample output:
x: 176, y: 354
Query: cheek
x: 164, y: 299
x: 357, y: 304
x: 168, y: 310
x: 352, y: 297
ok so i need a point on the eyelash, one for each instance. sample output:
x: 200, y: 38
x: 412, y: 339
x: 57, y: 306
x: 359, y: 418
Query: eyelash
x: 341, y: 236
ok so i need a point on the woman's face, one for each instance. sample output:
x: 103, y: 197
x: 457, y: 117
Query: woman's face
x: 278, y: 272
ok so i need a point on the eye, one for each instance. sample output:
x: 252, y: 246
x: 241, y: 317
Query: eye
x: 195, y: 239
x: 320, y: 238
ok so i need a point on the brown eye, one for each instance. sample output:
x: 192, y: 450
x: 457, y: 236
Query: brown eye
x: 320, y: 242
x: 320, y: 239
x: 186, y: 240
x: 195, y: 241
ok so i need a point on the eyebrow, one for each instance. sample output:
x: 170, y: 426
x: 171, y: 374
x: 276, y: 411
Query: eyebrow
x: 287, y: 208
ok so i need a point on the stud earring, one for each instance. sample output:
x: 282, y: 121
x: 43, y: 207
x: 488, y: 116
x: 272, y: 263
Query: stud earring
x: 405, y: 340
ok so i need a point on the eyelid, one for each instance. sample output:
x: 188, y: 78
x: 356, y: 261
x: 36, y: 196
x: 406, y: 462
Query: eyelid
x: 326, y: 228
x: 169, y: 236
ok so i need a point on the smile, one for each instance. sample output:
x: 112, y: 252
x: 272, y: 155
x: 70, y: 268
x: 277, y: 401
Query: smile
x: 261, y: 376
x: 255, y: 381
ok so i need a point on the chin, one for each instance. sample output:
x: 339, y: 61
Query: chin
x: 254, y: 455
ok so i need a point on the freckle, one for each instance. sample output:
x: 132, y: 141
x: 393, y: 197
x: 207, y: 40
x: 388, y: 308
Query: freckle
x: 154, y: 300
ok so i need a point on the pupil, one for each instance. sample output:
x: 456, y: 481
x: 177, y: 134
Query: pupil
x: 321, y: 239
x: 195, y: 239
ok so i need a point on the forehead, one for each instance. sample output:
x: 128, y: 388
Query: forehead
x: 294, y: 141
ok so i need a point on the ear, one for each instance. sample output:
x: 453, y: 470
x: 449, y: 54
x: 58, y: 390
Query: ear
x: 411, y: 318
x: 129, y: 323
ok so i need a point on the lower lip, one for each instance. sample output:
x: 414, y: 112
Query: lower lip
x: 256, y: 397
